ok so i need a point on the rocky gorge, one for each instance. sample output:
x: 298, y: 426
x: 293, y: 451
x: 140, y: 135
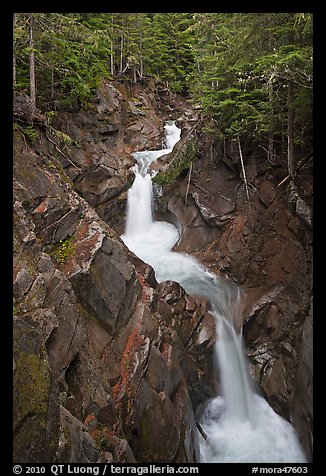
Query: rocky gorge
x: 109, y: 365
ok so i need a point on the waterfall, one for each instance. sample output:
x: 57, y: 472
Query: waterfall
x: 139, y: 206
x: 140, y: 195
x: 240, y: 424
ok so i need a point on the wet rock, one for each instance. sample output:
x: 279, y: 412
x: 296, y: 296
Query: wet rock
x: 302, y: 403
x: 265, y: 248
x: 24, y: 111
x: 161, y: 374
x: 56, y: 217
x: 109, y: 129
x: 33, y: 181
x: 90, y: 394
x: 216, y: 211
x: 188, y: 451
x: 206, y: 334
x: 276, y: 386
x: 123, y: 453
x: 129, y: 357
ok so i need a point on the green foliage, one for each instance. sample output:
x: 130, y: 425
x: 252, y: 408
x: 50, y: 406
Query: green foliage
x: 51, y: 115
x: 244, y: 62
x: 235, y: 66
x: 63, y: 250
x: 177, y: 166
x: 29, y: 132
x: 66, y: 142
x: 75, y: 52
x: 71, y: 58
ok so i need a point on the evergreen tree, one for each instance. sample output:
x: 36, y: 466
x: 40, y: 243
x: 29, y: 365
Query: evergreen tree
x: 254, y: 76
x: 251, y: 72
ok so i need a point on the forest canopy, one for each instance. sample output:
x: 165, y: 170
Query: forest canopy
x: 250, y: 72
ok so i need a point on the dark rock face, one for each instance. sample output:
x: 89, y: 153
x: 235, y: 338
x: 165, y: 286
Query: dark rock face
x: 102, y: 139
x: 35, y: 396
x: 108, y: 366
x: 265, y: 247
x: 77, y: 445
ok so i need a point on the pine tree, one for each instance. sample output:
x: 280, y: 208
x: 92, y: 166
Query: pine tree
x: 254, y: 76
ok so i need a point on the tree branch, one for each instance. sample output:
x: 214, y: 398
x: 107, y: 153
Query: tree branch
x: 60, y: 152
x: 243, y: 170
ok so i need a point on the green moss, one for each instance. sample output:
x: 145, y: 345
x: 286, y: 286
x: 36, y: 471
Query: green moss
x: 126, y: 362
x: 101, y: 437
x: 63, y: 250
x: 62, y: 174
x: 144, y: 430
x: 32, y: 381
x: 176, y: 167
x: 31, y: 390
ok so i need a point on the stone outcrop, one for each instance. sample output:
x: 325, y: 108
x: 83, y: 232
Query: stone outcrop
x: 109, y: 366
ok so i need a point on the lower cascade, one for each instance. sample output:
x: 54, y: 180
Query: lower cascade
x: 240, y: 425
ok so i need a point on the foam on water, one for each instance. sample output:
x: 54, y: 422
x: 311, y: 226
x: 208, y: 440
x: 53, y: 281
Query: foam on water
x: 240, y: 425
x: 270, y: 440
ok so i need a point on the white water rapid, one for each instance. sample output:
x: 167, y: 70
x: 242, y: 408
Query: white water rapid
x: 240, y: 425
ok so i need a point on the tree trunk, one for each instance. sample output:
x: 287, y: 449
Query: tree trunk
x: 14, y: 57
x: 243, y: 170
x: 141, y: 66
x: 32, y: 84
x: 121, y: 53
x: 290, y: 91
x: 52, y: 84
x: 14, y: 69
x: 112, y: 60
x: 112, y: 46
x: 270, y: 153
x: 291, y: 128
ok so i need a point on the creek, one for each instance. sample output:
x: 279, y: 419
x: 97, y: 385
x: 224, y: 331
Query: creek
x: 241, y: 426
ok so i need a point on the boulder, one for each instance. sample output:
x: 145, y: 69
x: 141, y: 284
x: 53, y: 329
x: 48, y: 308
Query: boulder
x: 188, y: 451
x: 156, y: 434
x: 102, y: 277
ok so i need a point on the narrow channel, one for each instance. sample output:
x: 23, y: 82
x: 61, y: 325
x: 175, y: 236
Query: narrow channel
x: 240, y: 424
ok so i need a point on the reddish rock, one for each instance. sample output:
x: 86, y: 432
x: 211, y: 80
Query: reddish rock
x: 267, y: 193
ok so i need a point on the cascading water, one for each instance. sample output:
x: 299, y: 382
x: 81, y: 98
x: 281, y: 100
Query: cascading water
x: 240, y: 424
x: 140, y: 196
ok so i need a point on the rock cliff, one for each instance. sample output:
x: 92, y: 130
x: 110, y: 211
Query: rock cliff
x: 265, y: 246
x: 108, y: 365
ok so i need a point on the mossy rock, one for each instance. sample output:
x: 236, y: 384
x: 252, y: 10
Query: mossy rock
x: 36, y: 411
